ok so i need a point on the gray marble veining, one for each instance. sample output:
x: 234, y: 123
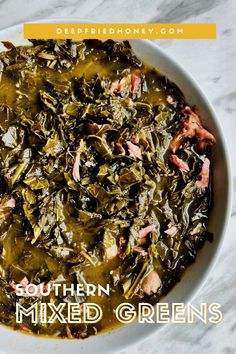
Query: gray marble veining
x: 213, y: 64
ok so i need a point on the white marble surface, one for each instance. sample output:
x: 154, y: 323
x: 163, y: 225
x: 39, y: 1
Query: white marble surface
x: 213, y: 64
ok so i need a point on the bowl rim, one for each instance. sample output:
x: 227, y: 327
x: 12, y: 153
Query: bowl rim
x: 75, y: 344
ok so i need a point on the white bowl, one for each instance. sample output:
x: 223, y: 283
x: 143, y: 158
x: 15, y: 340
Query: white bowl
x: 191, y: 282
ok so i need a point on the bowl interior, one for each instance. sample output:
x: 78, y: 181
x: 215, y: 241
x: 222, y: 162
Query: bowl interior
x: 12, y: 342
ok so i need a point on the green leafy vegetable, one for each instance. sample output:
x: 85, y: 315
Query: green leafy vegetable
x: 105, y: 178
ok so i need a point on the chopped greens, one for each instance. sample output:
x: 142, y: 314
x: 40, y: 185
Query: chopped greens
x: 105, y: 178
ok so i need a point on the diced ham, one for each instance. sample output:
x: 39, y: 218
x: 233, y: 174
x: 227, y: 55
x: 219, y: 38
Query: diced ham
x: 89, y: 164
x: 118, y: 86
x: 76, y: 166
x: 135, y: 139
x: 124, y: 83
x: 11, y: 203
x: 24, y: 282
x: 129, y: 82
x: 142, y: 243
x: 171, y: 230
x: 203, y: 181
x: 135, y: 81
x: 134, y: 151
x: 5, y: 206
x: 192, y: 128
x: 121, y: 149
x: 183, y: 166
x: 140, y: 250
x: 114, y: 86
x: 23, y: 55
x: 63, y: 252
x: 151, y: 283
x: 146, y: 230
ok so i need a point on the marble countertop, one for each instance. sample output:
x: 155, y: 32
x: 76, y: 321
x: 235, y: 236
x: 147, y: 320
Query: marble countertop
x: 212, y: 63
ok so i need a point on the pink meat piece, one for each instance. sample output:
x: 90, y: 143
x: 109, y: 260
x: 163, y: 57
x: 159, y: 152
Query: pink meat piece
x: 171, y: 230
x: 146, y: 230
x: 129, y: 82
x: 24, y: 282
x: 135, y: 139
x: 5, y: 206
x: 114, y: 86
x: 192, y: 128
x: 63, y: 252
x: 124, y: 83
x: 11, y: 203
x: 89, y: 164
x: 151, y: 283
x: 134, y: 151
x: 120, y: 85
x: 143, y: 239
x: 76, y: 166
x: 135, y: 81
x: 203, y: 181
x: 23, y: 55
x: 140, y: 250
x: 180, y: 163
x: 121, y: 149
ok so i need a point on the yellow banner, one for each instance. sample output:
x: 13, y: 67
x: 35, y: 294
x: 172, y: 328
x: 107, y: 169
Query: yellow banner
x: 119, y: 31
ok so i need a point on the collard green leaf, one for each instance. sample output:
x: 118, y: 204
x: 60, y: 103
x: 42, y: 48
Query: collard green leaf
x: 13, y: 137
x: 49, y: 101
x: 132, y: 175
x: 53, y: 146
x: 36, y: 183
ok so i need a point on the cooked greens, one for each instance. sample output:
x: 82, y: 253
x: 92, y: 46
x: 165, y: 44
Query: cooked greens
x: 105, y: 177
